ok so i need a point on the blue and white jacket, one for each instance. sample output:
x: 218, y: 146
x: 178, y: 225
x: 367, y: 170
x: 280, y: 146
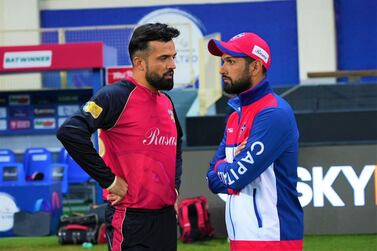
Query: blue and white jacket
x: 262, y: 208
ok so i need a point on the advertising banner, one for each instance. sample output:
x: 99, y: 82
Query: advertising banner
x: 337, y: 188
x: 51, y: 57
x: 115, y: 74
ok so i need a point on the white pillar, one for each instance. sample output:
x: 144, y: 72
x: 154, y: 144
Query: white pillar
x: 316, y: 38
x: 19, y: 25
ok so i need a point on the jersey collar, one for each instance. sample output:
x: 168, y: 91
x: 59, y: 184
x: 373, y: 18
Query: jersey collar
x: 132, y: 80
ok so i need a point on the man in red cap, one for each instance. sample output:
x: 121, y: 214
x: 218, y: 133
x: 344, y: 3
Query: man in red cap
x: 256, y: 162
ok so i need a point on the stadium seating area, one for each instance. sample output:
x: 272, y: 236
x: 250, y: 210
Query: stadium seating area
x: 11, y: 172
x: 38, y: 167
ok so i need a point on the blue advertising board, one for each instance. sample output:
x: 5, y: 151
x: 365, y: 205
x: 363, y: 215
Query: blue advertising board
x: 30, y: 197
x: 275, y: 21
x: 38, y: 112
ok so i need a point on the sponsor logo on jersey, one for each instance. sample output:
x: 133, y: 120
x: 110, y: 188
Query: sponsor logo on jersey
x: 242, y: 129
x: 94, y: 109
x: 154, y: 137
x: 171, y: 114
x: 256, y: 149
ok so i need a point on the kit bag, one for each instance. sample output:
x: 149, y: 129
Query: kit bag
x: 78, y: 229
x: 193, y: 219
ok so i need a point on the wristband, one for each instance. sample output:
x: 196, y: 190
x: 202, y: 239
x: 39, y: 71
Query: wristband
x: 112, y: 184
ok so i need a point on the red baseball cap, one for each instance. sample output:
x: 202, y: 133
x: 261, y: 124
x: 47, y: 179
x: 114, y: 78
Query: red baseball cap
x: 245, y: 44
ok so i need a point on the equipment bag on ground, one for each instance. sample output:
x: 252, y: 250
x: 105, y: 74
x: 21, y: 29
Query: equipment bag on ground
x: 193, y: 219
x: 78, y: 229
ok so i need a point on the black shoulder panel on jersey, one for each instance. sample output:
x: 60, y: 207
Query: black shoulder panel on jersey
x: 100, y: 112
x: 112, y: 99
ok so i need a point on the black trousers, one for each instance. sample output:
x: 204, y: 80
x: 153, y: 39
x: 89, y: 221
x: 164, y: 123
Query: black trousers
x: 141, y: 229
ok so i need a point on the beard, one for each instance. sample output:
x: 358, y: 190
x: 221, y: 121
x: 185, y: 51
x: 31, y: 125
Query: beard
x: 161, y: 82
x: 239, y: 85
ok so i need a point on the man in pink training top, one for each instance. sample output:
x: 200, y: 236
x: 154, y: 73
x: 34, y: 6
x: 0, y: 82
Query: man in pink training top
x: 140, y: 159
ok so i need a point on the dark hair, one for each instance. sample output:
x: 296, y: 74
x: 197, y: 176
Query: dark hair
x: 249, y: 60
x: 150, y: 32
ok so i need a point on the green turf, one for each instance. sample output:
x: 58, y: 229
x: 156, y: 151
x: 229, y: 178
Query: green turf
x: 340, y: 243
x: 311, y: 243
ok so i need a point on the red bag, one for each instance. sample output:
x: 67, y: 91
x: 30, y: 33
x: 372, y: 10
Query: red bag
x: 193, y: 219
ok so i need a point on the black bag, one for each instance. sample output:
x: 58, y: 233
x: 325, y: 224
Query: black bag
x: 78, y: 229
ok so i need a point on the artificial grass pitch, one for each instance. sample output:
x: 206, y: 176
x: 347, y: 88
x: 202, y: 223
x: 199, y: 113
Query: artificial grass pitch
x: 311, y: 243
